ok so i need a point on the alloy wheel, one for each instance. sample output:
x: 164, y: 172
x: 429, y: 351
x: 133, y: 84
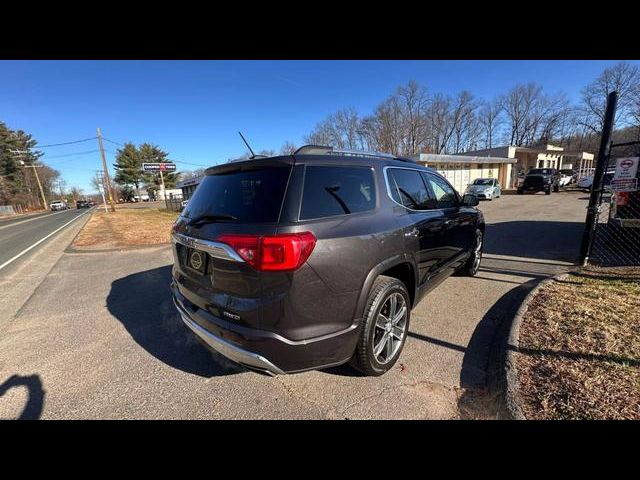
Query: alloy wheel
x: 477, y: 252
x: 390, y: 328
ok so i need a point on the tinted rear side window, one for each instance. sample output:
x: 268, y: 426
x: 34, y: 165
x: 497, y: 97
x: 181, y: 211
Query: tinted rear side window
x: 330, y: 191
x: 408, y: 189
x: 252, y: 196
x: 444, y: 194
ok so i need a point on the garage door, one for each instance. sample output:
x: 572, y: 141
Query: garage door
x: 457, y: 174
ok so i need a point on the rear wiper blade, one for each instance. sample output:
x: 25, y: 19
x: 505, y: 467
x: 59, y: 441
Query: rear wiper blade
x: 210, y: 218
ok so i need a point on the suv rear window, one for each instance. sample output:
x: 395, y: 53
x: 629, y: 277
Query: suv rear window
x: 252, y: 196
x: 330, y: 191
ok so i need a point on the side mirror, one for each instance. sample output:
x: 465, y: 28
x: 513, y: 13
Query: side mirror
x: 470, y: 200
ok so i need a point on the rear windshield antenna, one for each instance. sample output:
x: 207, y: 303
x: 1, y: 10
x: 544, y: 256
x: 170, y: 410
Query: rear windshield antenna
x: 247, y: 144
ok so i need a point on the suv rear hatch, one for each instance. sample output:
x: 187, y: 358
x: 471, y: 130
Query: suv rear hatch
x: 235, y: 204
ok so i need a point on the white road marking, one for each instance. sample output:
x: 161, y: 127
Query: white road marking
x: 37, y: 217
x: 42, y: 240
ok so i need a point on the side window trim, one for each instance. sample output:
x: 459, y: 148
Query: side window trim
x: 389, y: 187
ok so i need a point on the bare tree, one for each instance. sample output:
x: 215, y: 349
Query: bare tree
x: 624, y: 78
x: 520, y: 105
x: 287, y: 148
x: 411, y: 102
x: 439, y: 123
x: 340, y: 130
x: 464, y: 123
x: 490, y: 119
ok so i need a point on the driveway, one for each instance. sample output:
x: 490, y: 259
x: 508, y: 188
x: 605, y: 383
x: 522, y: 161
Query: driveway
x: 99, y: 338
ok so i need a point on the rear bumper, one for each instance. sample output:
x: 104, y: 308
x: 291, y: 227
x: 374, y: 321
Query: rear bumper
x: 229, y: 350
x: 262, y: 350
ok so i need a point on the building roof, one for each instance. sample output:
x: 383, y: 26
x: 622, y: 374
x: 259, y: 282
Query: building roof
x: 439, y: 158
x: 546, y: 149
x: 189, y: 181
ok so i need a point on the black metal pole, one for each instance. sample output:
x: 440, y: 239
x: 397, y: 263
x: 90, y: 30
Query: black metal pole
x: 598, y: 178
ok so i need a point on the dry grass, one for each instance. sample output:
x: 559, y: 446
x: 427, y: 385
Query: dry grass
x: 126, y: 227
x: 579, y: 355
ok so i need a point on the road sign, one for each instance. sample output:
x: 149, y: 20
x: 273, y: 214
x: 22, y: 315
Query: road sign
x: 624, y: 185
x: 626, y: 168
x: 159, y: 167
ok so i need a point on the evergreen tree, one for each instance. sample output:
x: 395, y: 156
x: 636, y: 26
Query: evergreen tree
x: 150, y: 153
x: 129, y: 167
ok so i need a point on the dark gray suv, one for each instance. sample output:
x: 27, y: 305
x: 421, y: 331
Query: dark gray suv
x: 315, y: 259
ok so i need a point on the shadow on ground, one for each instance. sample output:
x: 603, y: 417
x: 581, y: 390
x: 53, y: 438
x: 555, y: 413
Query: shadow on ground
x: 535, y: 239
x: 35, y: 402
x: 142, y: 303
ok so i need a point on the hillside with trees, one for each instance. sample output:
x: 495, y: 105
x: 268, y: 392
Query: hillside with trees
x: 414, y: 120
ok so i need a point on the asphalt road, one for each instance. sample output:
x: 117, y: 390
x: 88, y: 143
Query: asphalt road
x: 16, y: 235
x: 100, y: 338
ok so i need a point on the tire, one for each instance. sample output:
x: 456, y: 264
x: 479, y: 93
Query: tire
x: 375, y: 329
x: 556, y: 188
x: 520, y: 191
x: 471, y: 266
x: 547, y: 191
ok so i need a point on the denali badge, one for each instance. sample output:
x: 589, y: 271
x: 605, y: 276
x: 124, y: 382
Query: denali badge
x: 196, y: 260
x: 231, y: 315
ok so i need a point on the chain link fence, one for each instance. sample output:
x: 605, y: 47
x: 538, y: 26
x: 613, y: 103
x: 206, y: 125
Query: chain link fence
x: 616, y: 240
x: 174, y: 203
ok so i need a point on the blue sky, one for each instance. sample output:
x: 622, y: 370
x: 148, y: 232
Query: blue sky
x: 193, y: 109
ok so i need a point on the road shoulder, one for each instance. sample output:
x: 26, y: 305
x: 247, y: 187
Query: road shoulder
x: 21, y: 279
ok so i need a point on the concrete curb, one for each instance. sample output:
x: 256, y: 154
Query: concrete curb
x: 118, y: 249
x: 512, y: 393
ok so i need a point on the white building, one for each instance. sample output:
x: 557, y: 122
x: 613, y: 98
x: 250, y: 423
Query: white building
x: 461, y: 170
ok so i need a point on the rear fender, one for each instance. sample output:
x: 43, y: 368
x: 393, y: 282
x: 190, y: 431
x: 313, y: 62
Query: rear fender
x: 376, y: 271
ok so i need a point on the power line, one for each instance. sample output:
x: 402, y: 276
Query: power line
x: 112, y: 141
x: 189, y: 163
x: 64, y: 143
x: 174, y: 161
x: 71, y: 154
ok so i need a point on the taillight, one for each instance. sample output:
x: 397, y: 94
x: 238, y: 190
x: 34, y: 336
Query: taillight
x: 283, y: 252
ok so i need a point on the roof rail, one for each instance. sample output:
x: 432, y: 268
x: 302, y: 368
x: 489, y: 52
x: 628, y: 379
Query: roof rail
x: 313, y: 150
x: 325, y: 150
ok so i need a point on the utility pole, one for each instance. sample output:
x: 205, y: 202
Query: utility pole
x: 106, y: 172
x: 164, y: 192
x: 99, y: 181
x: 35, y: 172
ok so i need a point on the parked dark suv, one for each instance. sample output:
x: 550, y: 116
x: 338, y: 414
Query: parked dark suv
x: 540, y: 180
x: 311, y: 260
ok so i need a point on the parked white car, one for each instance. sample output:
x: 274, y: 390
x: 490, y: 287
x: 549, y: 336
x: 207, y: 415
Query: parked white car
x: 586, y: 182
x: 57, y: 205
x: 565, y: 179
x: 488, y: 188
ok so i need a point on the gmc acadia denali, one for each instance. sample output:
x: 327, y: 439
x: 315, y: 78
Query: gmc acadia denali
x: 315, y: 259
